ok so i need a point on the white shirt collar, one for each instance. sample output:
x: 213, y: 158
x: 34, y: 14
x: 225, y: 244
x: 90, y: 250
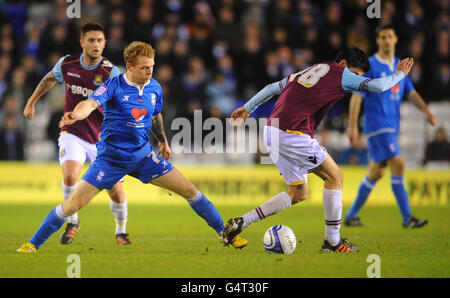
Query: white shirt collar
x: 134, y: 84
x: 384, y: 61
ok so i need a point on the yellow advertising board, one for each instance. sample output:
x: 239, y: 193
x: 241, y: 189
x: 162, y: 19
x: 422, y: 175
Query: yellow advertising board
x: 41, y: 183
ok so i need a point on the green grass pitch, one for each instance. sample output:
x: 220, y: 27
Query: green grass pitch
x: 171, y: 241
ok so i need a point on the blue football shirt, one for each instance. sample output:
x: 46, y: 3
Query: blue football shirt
x: 127, y: 121
x: 382, y: 110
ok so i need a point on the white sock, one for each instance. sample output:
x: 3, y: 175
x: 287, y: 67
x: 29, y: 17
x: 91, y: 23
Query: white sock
x: 195, y: 198
x: 67, y: 191
x: 120, y: 212
x: 60, y: 212
x: 332, y: 207
x: 275, y: 205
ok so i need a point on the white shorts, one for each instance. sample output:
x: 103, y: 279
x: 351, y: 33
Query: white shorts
x: 73, y: 148
x: 294, y: 154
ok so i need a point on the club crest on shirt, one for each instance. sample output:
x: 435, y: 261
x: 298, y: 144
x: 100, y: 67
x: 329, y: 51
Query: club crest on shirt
x: 98, y: 79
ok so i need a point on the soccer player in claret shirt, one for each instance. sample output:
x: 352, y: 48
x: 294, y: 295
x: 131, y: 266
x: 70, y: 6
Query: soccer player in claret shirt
x: 82, y: 74
x: 132, y: 105
x: 305, y: 97
x: 381, y: 126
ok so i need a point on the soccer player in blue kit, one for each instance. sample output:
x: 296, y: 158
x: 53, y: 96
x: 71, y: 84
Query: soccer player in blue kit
x: 132, y: 104
x: 381, y: 127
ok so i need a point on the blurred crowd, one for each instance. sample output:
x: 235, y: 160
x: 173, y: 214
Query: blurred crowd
x: 214, y: 55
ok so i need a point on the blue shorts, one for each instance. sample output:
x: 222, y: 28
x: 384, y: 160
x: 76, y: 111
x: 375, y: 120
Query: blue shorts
x: 383, y: 147
x: 104, y: 173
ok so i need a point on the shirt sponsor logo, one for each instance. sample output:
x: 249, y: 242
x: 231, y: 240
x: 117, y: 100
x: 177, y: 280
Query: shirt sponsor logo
x: 138, y: 114
x: 79, y: 90
x: 395, y: 89
x: 395, y: 92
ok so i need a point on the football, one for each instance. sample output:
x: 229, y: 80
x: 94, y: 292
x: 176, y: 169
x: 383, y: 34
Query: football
x: 280, y: 239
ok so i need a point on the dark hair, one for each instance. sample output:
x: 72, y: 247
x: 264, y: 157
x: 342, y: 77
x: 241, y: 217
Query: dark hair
x: 92, y: 27
x: 355, y: 57
x: 383, y: 27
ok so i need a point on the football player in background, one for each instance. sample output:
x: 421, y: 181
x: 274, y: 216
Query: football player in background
x: 82, y: 74
x: 381, y: 127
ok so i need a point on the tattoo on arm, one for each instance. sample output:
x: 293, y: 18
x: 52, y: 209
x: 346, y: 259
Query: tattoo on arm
x: 158, y: 128
x: 45, y: 84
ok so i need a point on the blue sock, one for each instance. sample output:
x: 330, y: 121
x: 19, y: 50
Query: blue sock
x: 397, y: 183
x: 365, y: 188
x: 205, y: 209
x: 50, y: 225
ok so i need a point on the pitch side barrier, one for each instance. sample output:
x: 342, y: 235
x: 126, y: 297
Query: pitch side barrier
x: 41, y: 183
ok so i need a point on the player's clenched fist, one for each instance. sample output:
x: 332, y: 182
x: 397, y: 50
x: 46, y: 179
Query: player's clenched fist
x: 353, y: 135
x: 164, y: 150
x: 28, y: 112
x: 67, y: 119
x: 239, y: 116
x: 405, y: 65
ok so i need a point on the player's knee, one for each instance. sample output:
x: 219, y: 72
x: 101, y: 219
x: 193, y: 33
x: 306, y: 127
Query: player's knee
x: 398, y: 167
x: 299, y: 196
x: 117, y: 195
x: 71, y: 206
x: 70, y: 179
x: 376, y: 175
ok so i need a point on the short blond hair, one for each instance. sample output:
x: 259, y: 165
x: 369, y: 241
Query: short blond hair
x: 136, y: 49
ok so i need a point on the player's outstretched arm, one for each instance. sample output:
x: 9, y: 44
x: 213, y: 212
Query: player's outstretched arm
x: 354, y: 82
x: 269, y: 91
x: 47, y: 82
x: 158, y: 131
x: 418, y: 101
x: 81, y: 111
x: 380, y: 85
x: 353, y: 114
